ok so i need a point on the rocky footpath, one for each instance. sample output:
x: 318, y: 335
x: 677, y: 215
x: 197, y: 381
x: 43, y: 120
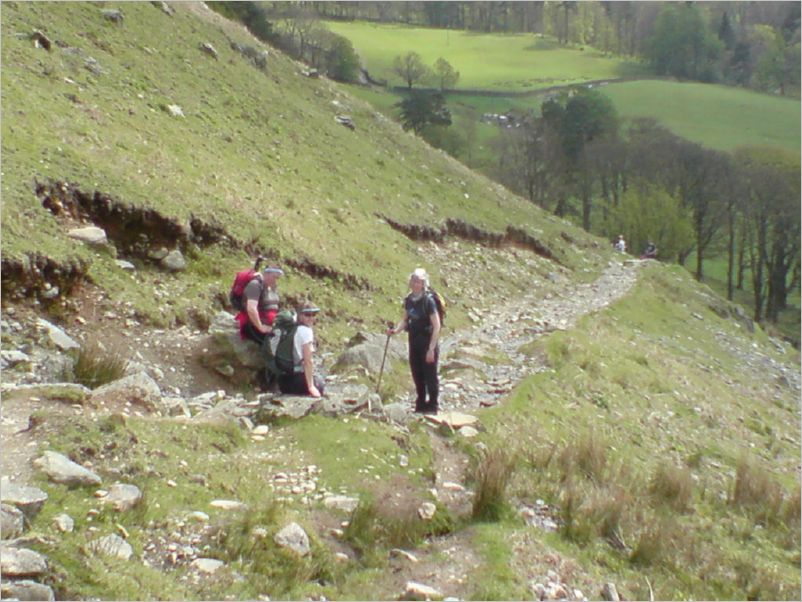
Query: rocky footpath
x: 479, y: 366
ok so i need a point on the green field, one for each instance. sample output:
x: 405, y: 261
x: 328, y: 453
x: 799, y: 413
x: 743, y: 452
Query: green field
x: 718, y: 117
x: 485, y: 61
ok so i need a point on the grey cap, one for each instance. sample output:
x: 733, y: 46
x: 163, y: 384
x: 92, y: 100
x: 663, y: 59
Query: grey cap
x: 273, y: 270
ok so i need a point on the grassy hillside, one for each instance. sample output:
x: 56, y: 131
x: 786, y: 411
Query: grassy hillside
x: 258, y: 154
x: 663, y: 437
x: 687, y: 448
x: 667, y: 455
x: 485, y: 61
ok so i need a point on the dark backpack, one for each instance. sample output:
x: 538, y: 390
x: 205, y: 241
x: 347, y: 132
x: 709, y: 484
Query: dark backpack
x: 424, y: 322
x: 242, y: 280
x: 281, y: 361
x: 440, y: 303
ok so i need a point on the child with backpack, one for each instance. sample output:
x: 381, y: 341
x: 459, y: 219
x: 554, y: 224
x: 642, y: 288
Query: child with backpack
x: 422, y: 320
x: 255, y: 296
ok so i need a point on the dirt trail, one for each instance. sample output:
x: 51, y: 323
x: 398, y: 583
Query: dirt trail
x: 449, y: 559
x: 506, y: 328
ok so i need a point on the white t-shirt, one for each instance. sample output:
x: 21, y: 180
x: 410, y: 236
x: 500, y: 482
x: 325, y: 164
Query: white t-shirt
x: 303, y: 335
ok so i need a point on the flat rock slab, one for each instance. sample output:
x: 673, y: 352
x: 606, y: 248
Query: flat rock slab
x: 68, y: 392
x: 20, y: 562
x: 26, y: 590
x: 91, y: 235
x: 208, y: 566
x: 294, y: 407
x: 455, y: 420
x: 28, y: 499
x: 419, y: 591
x: 57, y: 336
x: 60, y: 469
x: 228, y: 505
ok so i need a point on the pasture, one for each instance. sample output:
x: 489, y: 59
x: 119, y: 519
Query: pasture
x: 510, y: 62
x: 718, y: 117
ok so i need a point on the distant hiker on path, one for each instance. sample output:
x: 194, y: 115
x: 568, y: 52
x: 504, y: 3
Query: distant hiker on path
x: 422, y: 320
x: 650, y: 252
x: 621, y: 245
x: 261, y: 303
x: 302, y: 380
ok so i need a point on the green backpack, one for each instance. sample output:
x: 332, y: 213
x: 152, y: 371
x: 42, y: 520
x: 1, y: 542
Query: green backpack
x: 281, y: 361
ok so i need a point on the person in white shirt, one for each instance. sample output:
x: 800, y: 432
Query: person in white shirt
x: 621, y: 244
x: 303, y: 381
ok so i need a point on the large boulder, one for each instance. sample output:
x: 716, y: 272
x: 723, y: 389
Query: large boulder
x: 138, y: 389
x: 27, y: 499
x: 61, y: 469
x: 345, y: 399
x: 366, y: 350
x: 20, y: 562
x: 286, y: 407
x: 228, y: 348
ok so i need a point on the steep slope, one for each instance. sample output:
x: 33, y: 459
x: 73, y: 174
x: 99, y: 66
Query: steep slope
x: 656, y: 437
x: 258, y: 161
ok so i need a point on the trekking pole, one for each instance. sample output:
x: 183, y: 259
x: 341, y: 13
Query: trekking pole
x: 384, y: 357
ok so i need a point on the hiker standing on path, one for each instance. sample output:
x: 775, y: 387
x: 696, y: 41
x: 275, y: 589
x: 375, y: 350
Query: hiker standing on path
x: 621, y: 244
x: 261, y: 305
x: 422, y: 322
x: 302, y: 380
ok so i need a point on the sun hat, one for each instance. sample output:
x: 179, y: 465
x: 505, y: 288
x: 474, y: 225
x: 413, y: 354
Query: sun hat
x: 273, y: 270
x: 308, y: 308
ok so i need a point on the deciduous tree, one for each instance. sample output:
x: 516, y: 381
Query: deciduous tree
x: 446, y: 75
x: 411, y: 68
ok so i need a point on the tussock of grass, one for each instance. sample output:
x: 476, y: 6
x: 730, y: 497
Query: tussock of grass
x: 587, y: 455
x: 757, y: 492
x: 492, y: 476
x: 247, y: 542
x: 673, y: 486
x: 655, y: 542
x: 96, y: 366
x: 371, y: 531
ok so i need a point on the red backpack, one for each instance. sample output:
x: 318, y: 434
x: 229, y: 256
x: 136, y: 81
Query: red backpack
x: 240, y: 282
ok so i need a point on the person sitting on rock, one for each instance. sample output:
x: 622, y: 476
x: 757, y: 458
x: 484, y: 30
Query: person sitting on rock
x: 302, y: 381
x: 261, y: 305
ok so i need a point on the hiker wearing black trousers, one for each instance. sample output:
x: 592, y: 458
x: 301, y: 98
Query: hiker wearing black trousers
x: 422, y: 322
